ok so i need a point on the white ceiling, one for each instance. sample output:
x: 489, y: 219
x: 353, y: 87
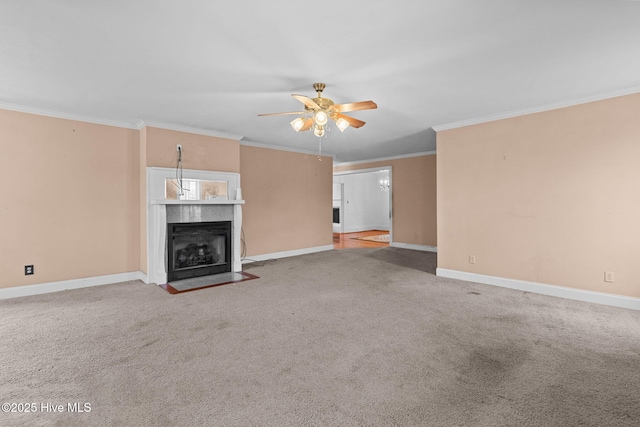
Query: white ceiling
x: 215, y: 65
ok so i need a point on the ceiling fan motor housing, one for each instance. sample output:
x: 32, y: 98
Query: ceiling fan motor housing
x: 323, y: 103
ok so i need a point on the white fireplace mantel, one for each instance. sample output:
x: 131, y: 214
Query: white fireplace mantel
x: 198, y: 202
x: 157, y: 215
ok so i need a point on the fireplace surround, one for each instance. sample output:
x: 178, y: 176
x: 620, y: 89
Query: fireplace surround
x: 161, y: 212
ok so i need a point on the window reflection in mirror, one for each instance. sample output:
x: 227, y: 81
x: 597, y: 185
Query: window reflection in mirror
x: 195, y: 189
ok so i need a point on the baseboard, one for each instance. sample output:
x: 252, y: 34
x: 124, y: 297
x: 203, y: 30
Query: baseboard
x: 286, y: 254
x: 544, y: 289
x: 362, y: 228
x: 423, y: 248
x: 45, y: 288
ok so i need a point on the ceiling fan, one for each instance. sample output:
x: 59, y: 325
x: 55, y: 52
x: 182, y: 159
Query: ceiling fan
x: 319, y: 110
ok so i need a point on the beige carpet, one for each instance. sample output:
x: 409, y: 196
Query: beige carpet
x: 356, y: 337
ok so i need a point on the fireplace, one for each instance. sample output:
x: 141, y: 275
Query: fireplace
x: 198, y: 249
x: 162, y: 211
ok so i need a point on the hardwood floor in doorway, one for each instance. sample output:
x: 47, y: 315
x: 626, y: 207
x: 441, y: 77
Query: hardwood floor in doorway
x: 349, y: 240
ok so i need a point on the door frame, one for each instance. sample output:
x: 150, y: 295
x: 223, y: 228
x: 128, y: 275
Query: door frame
x: 388, y: 168
x: 341, y: 207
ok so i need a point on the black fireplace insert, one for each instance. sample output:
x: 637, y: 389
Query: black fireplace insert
x: 198, y: 249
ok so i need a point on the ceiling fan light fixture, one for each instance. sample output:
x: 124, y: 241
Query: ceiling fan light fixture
x: 321, y: 118
x: 342, y: 124
x: 297, y: 124
x: 318, y: 111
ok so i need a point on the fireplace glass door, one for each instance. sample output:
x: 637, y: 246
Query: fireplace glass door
x: 198, y: 249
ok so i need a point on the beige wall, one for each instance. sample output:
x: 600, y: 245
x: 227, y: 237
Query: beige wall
x: 552, y: 197
x: 70, y: 199
x: 200, y: 152
x: 74, y: 195
x: 288, y: 200
x: 414, y: 197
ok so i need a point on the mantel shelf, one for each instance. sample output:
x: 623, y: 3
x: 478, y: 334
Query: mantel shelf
x: 197, y: 202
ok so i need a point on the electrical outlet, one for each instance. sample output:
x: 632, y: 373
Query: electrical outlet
x: 28, y: 270
x: 178, y: 147
x: 472, y: 259
x: 608, y: 276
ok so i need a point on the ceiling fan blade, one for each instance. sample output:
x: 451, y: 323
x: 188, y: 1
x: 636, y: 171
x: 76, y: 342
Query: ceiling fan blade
x: 352, y: 122
x: 308, y: 123
x: 282, y: 114
x: 353, y: 106
x: 307, y: 101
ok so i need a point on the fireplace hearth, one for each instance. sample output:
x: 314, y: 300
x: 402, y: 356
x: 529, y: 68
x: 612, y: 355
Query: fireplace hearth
x: 198, y: 249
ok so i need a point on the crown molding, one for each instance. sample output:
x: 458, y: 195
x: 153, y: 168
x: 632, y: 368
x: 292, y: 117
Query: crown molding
x: 385, y: 159
x: 281, y: 148
x: 116, y: 123
x: 67, y: 116
x: 365, y: 170
x: 518, y: 113
x: 178, y: 128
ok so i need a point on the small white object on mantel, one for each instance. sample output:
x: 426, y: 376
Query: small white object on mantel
x: 198, y: 202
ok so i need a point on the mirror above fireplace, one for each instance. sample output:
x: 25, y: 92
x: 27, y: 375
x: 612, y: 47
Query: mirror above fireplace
x: 195, y: 189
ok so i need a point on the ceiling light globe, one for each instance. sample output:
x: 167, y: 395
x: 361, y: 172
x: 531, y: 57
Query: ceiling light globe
x: 297, y: 124
x: 342, y: 124
x: 321, y: 118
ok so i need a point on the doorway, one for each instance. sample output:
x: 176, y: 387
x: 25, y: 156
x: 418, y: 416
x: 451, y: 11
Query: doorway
x: 362, y: 201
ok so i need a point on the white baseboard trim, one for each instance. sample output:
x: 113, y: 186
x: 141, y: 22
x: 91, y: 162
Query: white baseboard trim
x: 544, y: 289
x: 361, y: 228
x: 45, y: 288
x: 286, y: 254
x: 415, y: 247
